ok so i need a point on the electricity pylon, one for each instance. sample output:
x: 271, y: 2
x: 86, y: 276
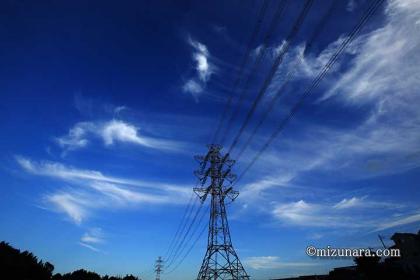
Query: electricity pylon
x: 158, y: 267
x: 221, y: 261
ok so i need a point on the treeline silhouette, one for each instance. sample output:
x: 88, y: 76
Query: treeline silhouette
x: 17, y: 265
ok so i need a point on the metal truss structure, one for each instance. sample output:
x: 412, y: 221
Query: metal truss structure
x: 158, y: 267
x: 221, y: 261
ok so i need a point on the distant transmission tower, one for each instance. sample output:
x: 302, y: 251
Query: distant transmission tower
x: 158, y: 267
x: 221, y: 261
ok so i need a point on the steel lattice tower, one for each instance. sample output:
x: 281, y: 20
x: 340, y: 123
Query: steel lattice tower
x: 158, y: 267
x: 221, y: 261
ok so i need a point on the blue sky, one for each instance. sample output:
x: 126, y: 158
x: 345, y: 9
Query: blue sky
x: 104, y: 105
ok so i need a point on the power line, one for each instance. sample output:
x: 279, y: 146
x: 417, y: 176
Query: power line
x: 180, y: 229
x: 184, y: 231
x: 320, y: 26
x: 368, y: 14
x: 191, y: 247
x: 147, y: 272
x: 289, y: 77
x: 188, y: 213
x: 260, y: 57
x: 253, y: 37
x: 191, y: 236
x: 187, y: 208
x: 178, y: 248
x: 279, y: 59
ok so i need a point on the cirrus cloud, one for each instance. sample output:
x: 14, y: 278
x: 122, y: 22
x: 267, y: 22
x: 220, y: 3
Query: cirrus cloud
x: 91, y: 191
x: 195, y: 85
x: 112, y: 132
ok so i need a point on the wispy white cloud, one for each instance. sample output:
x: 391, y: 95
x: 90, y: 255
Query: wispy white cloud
x: 76, y: 137
x: 68, y: 173
x: 204, y: 69
x: 351, y: 5
x: 124, y: 195
x: 91, y: 190
x: 194, y: 88
x: 378, y: 73
x: 90, y: 247
x: 201, y: 57
x: 256, y: 189
x: 272, y: 262
x: 306, y: 214
x: 396, y: 222
x: 363, y: 202
x: 119, y: 109
x: 300, y: 63
x: 92, y: 239
x: 112, y: 132
x: 256, y: 51
x: 73, y: 205
x: 349, y: 203
x: 93, y: 236
x: 355, y: 213
x: 373, y: 73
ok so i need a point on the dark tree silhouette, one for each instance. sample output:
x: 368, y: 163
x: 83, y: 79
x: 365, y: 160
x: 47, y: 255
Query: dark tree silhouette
x: 81, y: 274
x: 130, y: 277
x: 17, y: 265
x: 57, y: 276
x: 22, y: 265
